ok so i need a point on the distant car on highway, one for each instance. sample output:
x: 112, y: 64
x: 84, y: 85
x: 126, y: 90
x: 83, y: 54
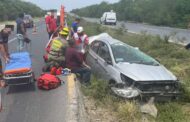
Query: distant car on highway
x: 109, y: 18
x: 28, y: 20
x: 129, y: 71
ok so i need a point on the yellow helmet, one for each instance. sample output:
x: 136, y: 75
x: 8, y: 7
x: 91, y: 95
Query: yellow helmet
x: 64, y: 31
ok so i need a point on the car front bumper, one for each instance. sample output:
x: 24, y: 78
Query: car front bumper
x: 162, y: 94
x: 134, y: 92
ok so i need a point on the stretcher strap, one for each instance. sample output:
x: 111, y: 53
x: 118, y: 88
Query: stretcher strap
x: 21, y: 70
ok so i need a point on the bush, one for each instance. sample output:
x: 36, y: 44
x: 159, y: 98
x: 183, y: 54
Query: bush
x: 171, y: 112
x: 98, y: 89
x: 173, y: 56
x: 10, y: 9
x: 158, y: 12
x: 129, y: 112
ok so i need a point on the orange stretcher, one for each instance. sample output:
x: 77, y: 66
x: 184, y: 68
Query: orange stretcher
x: 19, y: 70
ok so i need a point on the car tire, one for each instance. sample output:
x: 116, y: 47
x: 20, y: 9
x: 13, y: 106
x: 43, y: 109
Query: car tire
x: 112, y: 83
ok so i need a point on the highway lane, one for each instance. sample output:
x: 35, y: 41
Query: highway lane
x: 28, y: 103
x: 181, y: 36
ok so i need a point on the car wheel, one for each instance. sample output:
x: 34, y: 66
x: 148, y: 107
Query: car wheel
x: 105, y: 23
x: 112, y: 83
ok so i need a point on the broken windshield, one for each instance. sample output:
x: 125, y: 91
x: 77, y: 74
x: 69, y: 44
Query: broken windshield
x: 125, y: 53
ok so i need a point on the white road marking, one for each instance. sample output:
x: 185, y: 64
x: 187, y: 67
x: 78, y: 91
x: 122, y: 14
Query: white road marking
x: 133, y: 32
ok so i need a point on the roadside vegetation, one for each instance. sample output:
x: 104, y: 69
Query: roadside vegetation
x: 173, y: 56
x: 174, y: 13
x: 9, y: 9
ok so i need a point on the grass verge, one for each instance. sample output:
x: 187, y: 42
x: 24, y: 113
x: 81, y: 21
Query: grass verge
x: 172, y: 56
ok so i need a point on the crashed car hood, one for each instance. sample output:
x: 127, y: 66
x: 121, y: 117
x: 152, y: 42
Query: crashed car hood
x: 140, y: 72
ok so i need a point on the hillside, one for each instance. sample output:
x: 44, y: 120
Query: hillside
x: 175, y: 13
x: 9, y: 9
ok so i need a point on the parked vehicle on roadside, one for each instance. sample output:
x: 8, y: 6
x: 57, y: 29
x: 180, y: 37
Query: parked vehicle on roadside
x: 109, y: 18
x: 28, y: 20
x: 129, y: 71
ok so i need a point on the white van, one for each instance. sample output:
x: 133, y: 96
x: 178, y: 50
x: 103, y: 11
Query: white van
x: 108, y: 18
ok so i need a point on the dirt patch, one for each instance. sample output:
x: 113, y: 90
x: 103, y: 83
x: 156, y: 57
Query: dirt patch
x: 97, y: 113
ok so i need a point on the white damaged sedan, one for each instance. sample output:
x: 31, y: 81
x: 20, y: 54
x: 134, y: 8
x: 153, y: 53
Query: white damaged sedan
x: 128, y: 70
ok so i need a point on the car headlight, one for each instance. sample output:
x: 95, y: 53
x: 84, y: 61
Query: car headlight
x: 128, y: 81
x: 127, y: 92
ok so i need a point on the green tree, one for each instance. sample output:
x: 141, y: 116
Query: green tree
x: 159, y: 12
x: 9, y: 9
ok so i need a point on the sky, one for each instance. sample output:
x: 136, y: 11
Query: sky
x: 69, y: 4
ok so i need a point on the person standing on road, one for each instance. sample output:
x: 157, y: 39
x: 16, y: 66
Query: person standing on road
x: 75, y: 62
x: 51, y: 24
x: 2, y: 83
x: 4, y: 37
x: 74, y: 28
x: 21, y: 31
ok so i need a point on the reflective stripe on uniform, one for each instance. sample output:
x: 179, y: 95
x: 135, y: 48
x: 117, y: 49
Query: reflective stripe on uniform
x: 56, y: 45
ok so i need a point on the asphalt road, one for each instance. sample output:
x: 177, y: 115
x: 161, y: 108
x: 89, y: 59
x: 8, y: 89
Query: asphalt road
x: 181, y: 36
x: 28, y: 103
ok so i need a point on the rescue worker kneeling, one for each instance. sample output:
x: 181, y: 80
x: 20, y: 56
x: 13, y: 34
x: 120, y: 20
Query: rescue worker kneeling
x: 56, y: 55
